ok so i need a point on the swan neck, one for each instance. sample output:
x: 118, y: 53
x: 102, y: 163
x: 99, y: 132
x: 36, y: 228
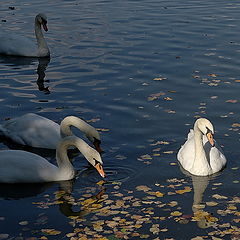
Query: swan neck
x: 200, y: 164
x: 65, y: 127
x: 61, y: 152
x: 63, y: 161
x: 198, y: 139
x: 41, y: 42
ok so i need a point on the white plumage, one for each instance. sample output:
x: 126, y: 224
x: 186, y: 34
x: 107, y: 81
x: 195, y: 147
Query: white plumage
x: 18, y: 45
x: 37, y: 131
x: 17, y: 166
x: 200, y: 155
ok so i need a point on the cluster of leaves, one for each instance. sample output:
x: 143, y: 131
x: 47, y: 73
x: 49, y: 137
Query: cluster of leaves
x: 147, y: 212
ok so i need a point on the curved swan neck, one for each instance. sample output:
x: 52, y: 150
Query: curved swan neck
x: 61, y: 152
x: 200, y: 163
x: 78, y: 123
x: 198, y: 139
x: 41, y: 42
x: 63, y: 161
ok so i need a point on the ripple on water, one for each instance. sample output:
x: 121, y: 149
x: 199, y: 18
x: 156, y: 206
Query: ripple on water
x: 113, y: 173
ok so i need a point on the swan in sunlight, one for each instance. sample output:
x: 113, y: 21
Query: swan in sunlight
x: 37, y: 131
x: 17, y: 45
x: 200, y: 155
x: 17, y: 166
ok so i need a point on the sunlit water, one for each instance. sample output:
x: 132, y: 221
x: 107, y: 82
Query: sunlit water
x: 140, y: 72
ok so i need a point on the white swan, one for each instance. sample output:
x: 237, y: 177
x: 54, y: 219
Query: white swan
x: 17, y: 45
x: 37, y: 131
x: 200, y: 154
x: 17, y: 166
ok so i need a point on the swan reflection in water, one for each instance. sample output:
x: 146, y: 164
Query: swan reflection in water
x: 67, y: 203
x: 42, y: 65
x: 63, y: 198
x: 16, y: 63
x: 200, y: 183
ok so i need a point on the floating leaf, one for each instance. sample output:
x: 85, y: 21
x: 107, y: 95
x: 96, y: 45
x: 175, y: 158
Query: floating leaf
x: 159, y: 79
x: 168, y: 99
x: 23, y: 223
x: 155, y: 96
x: 4, y: 236
x: 168, y: 152
x: 101, y: 182
x: 212, y: 75
x: 186, y: 189
x: 143, y: 188
x: 211, y: 204
x: 217, y: 196
x: 50, y: 231
x: 176, y: 213
x: 231, y: 101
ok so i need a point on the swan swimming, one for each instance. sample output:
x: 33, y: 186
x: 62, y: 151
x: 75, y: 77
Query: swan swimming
x: 17, y: 166
x: 17, y: 45
x: 36, y: 131
x: 200, y: 155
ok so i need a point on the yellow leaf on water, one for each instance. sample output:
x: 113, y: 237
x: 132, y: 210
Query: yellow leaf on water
x: 186, y: 189
x: 101, y: 182
x: 157, y: 194
x: 88, y: 201
x: 159, y: 79
x: 176, y: 213
x: 143, y: 188
x: 50, y: 231
x: 173, y: 204
x: 211, y: 204
x: 212, y: 75
x: 197, y: 238
x: 232, y: 207
x: 217, y: 196
x: 168, y: 99
x: 211, y: 218
x: 168, y: 152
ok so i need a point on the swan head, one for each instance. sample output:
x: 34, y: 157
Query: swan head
x: 96, y: 161
x: 41, y: 18
x: 206, y: 127
x: 94, y: 137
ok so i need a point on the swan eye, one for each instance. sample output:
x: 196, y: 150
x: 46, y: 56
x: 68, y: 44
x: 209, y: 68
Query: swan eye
x: 96, y: 161
x: 208, y: 130
x: 97, y: 140
x: 44, y: 21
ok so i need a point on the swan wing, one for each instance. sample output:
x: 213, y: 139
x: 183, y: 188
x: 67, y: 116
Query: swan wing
x: 17, y: 166
x: 187, y: 152
x: 32, y: 130
x: 14, y: 44
x: 217, y: 158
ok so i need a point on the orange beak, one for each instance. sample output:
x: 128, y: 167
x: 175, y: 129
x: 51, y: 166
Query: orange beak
x: 210, y: 138
x: 100, y: 170
x: 96, y: 144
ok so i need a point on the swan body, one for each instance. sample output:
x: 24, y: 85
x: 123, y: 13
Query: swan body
x: 17, y: 45
x: 200, y: 155
x: 17, y: 166
x: 37, y: 131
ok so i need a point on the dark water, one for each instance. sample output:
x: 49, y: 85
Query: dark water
x: 140, y: 72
